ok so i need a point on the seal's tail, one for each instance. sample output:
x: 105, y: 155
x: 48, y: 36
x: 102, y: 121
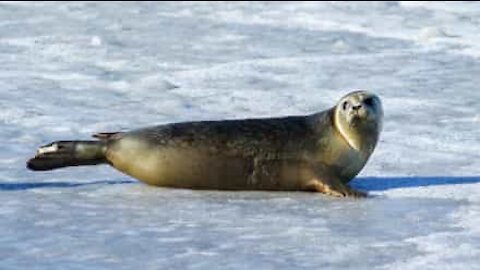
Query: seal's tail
x: 68, y: 153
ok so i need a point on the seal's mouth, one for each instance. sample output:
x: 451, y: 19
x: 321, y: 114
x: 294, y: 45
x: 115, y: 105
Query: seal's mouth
x: 357, y: 118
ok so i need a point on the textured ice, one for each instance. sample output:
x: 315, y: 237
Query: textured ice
x: 71, y: 69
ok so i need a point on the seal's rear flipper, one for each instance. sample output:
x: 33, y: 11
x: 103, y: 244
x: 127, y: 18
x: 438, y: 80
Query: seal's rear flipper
x: 68, y: 153
x: 105, y: 135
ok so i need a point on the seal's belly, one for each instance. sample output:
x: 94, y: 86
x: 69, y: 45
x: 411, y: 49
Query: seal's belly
x: 197, y: 169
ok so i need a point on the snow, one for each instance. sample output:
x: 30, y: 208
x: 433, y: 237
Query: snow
x: 72, y: 69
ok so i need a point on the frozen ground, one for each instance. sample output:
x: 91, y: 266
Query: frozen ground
x: 71, y: 69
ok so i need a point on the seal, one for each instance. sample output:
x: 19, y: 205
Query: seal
x: 319, y: 152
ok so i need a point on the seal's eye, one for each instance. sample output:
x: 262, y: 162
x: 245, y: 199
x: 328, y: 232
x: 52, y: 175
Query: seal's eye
x: 344, y: 105
x: 368, y: 101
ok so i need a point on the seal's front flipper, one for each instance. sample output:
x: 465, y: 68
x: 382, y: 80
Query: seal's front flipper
x: 68, y: 153
x: 336, y: 188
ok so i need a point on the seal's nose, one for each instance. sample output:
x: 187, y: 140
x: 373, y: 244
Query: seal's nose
x: 356, y: 107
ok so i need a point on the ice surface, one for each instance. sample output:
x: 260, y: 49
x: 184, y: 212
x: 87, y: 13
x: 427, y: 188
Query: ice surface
x: 71, y: 69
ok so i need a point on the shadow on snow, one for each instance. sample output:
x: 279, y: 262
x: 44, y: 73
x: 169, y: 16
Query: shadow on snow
x: 386, y: 183
x: 362, y: 183
x: 33, y: 185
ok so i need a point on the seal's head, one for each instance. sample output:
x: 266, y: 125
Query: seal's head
x: 358, y: 118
